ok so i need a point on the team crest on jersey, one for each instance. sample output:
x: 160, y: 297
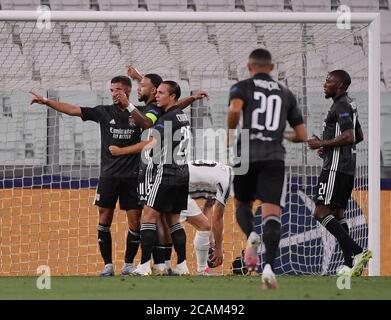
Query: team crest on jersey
x: 131, y: 122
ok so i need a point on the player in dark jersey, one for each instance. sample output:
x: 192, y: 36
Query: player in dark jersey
x: 264, y: 106
x: 118, y: 175
x: 146, y: 92
x: 170, y: 178
x: 341, y: 132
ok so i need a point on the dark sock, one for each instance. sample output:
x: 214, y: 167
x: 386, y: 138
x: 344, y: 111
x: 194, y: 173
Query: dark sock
x: 104, y: 240
x: 245, y: 218
x: 132, y: 244
x: 148, y: 235
x: 348, y: 261
x: 167, y: 251
x: 158, y: 254
x: 347, y: 244
x: 178, y: 237
x: 271, y: 238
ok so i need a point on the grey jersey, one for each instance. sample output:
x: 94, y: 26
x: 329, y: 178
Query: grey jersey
x: 267, y: 106
x: 341, y: 116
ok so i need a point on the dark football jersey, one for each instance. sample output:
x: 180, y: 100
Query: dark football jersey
x: 153, y: 112
x: 341, y: 116
x: 172, y: 132
x: 267, y: 106
x: 116, y: 128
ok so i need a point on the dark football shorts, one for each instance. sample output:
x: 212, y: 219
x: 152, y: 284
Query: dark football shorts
x: 334, y: 189
x: 265, y: 180
x: 110, y: 189
x: 167, y: 198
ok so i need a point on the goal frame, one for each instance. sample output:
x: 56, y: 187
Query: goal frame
x: 373, y: 21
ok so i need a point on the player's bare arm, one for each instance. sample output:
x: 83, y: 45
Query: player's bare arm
x: 298, y: 135
x: 62, y: 107
x: 136, y: 148
x: 217, y: 230
x: 345, y: 138
x: 234, y: 112
x: 139, y: 118
x: 134, y: 73
x: 185, y: 102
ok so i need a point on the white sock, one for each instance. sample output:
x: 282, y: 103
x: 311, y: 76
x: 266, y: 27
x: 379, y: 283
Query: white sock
x: 201, y: 247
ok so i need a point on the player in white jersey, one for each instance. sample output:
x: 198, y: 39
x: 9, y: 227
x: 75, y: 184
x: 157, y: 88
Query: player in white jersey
x: 211, y: 181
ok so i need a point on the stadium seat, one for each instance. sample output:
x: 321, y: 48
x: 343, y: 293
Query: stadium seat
x: 386, y: 148
x: 384, y: 5
x: 308, y: 5
x: 20, y: 4
x: 118, y: 5
x: 269, y: 5
x: 70, y: 5
x: 167, y: 5
x: 363, y: 5
x: 217, y: 5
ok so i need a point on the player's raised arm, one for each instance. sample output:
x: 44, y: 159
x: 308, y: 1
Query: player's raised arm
x: 62, y: 107
x: 185, y: 102
x: 134, y: 73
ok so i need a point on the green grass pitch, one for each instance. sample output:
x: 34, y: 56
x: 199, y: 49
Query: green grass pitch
x: 194, y: 288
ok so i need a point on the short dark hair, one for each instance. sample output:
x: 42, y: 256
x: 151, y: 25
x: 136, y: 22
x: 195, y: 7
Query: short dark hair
x: 156, y: 80
x: 173, y: 88
x: 261, y: 57
x: 342, y: 76
x: 123, y: 79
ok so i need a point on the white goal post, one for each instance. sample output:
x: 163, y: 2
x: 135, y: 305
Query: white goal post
x: 370, y: 19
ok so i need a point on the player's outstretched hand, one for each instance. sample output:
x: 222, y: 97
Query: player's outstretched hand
x: 200, y: 95
x: 314, y: 143
x: 134, y: 73
x: 38, y: 99
x: 217, y: 259
x: 115, y: 151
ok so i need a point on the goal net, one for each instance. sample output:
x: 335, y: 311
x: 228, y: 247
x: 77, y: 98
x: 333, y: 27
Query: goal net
x: 49, y: 162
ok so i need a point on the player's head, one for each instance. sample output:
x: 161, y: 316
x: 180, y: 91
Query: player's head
x: 148, y: 86
x: 260, y: 60
x: 120, y: 83
x: 168, y: 94
x: 337, y: 82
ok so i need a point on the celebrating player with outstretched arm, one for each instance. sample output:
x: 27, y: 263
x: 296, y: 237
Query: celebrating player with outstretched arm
x: 341, y: 132
x: 118, y: 175
x: 264, y: 106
